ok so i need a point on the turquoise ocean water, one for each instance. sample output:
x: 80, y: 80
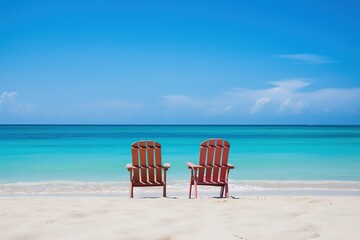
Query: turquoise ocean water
x: 98, y: 153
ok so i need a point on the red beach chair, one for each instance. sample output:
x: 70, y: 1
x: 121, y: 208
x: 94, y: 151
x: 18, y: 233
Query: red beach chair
x: 146, y: 169
x: 213, y: 168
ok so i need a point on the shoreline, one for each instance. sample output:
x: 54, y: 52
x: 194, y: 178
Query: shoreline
x: 238, y: 188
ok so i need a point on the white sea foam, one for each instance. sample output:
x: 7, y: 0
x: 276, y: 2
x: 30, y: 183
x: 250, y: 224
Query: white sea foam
x: 178, y: 188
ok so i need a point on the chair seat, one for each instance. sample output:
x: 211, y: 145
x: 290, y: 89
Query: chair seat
x: 148, y: 184
x: 211, y: 183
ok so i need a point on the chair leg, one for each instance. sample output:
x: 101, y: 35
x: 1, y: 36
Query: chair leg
x: 131, y: 191
x: 191, y: 182
x: 190, y: 189
x: 222, y: 191
x: 164, y: 187
x: 195, y: 189
x: 227, y: 191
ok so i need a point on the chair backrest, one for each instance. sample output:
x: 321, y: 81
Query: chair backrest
x: 145, y: 154
x: 214, y: 153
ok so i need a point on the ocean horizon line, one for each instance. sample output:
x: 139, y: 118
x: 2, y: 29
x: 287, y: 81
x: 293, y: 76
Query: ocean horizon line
x: 175, y: 124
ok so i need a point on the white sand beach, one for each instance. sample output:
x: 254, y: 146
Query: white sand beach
x: 251, y: 218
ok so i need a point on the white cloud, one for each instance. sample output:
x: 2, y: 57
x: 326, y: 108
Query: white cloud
x: 7, y: 97
x: 259, y: 104
x: 288, y: 97
x: 218, y: 110
x: 8, y: 103
x: 340, y: 100
x: 292, y: 106
x: 307, y: 58
x: 292, y: 85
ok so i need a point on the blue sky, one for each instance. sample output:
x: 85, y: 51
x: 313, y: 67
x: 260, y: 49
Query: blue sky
x: 180, y: 62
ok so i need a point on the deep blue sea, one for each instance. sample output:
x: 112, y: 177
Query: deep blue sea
x: 98, y: 153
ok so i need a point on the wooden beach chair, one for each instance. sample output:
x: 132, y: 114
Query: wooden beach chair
x: 146, y: 169
x: 213, y: 168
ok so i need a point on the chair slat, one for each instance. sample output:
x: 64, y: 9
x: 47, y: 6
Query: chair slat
x: 158, y: 163
x: 219, y: 142
x: 224, y: 161
x: 141, y: 144
x: 203, y: 152
x: 151, y: 162
x: 143, y: 163
x: 209, y: 162
x: 135, y: 162
x: 218, y: 152
x: 225, y: 156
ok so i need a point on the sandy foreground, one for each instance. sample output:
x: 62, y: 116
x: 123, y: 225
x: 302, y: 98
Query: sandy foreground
x: 267, y: 217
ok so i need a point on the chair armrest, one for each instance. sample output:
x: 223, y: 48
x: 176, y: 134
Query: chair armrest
x: 167, y: 166
x: 192, y: 166
x: 129, y: 166
x: 230, y: 166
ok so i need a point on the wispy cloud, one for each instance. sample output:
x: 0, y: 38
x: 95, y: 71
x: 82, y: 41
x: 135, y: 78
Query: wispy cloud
x: 286, y: 97
x: 307, y: 58
x: 259, y: 104
x: 8, y: 103
x: 7, y: 97
x: 292, y: 106
x: 292, y: 84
